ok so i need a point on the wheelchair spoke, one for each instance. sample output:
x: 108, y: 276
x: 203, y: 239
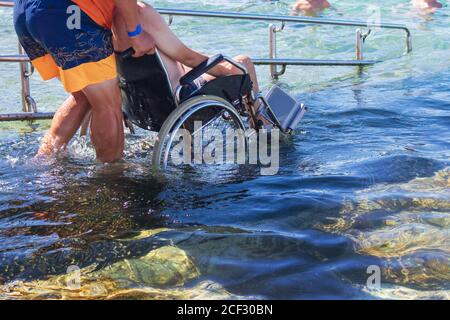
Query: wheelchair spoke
x: 209, y: 122
x: 182, y: 134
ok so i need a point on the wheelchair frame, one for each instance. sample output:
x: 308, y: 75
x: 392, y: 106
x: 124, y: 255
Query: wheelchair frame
x: 187, y: 108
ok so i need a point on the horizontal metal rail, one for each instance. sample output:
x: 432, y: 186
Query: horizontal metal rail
x: 23, y: 116
x: 313, y: 62
x: 285, y: 19
x: 280, y: 18
x: 14, y: 58
x: 278, y: 61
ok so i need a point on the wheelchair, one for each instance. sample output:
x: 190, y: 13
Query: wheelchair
x: 150, y: 102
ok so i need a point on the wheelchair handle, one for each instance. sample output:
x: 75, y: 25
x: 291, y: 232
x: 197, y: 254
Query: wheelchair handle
x: 127, y: 54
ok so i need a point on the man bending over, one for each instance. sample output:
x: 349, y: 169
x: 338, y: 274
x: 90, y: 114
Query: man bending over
x: 83, y: 60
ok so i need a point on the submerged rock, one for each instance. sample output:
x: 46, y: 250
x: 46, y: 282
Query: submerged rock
x: 416, y: 198
x: 403, y: 293
x: 159, y: 274
x: 206, y: 290
x: 407, y: 226
x: 401, y: 240
x: 166, y: 266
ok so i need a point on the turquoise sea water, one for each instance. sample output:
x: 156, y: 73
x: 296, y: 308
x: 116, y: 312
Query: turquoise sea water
x: 364, y: 182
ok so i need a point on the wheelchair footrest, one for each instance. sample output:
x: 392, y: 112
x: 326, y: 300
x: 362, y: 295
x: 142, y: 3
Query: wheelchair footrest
x: 287, y: 111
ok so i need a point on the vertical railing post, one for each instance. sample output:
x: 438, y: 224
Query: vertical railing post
x: 273, y: 29
x: 359, y: 45
x: 408, y: 42
x: 273, y: 50
x: 28, y: 104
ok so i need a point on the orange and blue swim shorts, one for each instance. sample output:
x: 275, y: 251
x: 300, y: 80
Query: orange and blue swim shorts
x: 80, y: 54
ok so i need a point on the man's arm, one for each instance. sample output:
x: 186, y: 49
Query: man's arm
x: 174, y: 48
x: 143, y: 42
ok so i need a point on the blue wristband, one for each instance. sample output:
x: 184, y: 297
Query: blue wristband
x: 136, y: 32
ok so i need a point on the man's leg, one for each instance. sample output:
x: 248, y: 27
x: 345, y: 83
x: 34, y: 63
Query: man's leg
x: 247, y: 62
x: 65, y: 124
x: 107, y: 133
x: 83, y: 59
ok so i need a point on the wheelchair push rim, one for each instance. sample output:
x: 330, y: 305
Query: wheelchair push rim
x: 179, y: 117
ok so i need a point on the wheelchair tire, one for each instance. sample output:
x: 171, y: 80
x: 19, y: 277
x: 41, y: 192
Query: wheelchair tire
x: 181, y: 116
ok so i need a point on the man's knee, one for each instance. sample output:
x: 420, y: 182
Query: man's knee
x: 80, y: 99
x: 143, y: 6
x: 244, y: 60
x: 146, y: 11
x: 104, y: 95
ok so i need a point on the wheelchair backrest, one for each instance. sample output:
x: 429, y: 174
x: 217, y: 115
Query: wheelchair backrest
x: 146, y: 90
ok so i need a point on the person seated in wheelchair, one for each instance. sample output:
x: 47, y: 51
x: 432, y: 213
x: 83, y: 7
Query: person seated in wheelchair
x: 183, y: 67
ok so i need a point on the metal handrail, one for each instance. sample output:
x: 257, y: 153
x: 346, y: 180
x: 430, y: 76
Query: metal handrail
x: 14, y: 58
x: 279, y: 18
x: 29, y: 105
x: 314, y: 62
x: 22, y: 116
x: 284, y: 19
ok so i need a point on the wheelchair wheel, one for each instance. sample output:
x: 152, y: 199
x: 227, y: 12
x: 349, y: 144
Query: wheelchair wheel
x: 192, y: 128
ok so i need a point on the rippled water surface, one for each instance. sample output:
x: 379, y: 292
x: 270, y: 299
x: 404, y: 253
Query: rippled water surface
x: 364, y: 182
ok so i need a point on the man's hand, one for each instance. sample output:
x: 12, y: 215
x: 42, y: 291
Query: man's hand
x: 143, y: 44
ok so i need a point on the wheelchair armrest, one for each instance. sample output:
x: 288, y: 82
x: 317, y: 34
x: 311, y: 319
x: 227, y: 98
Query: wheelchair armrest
x: 201, y: 69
